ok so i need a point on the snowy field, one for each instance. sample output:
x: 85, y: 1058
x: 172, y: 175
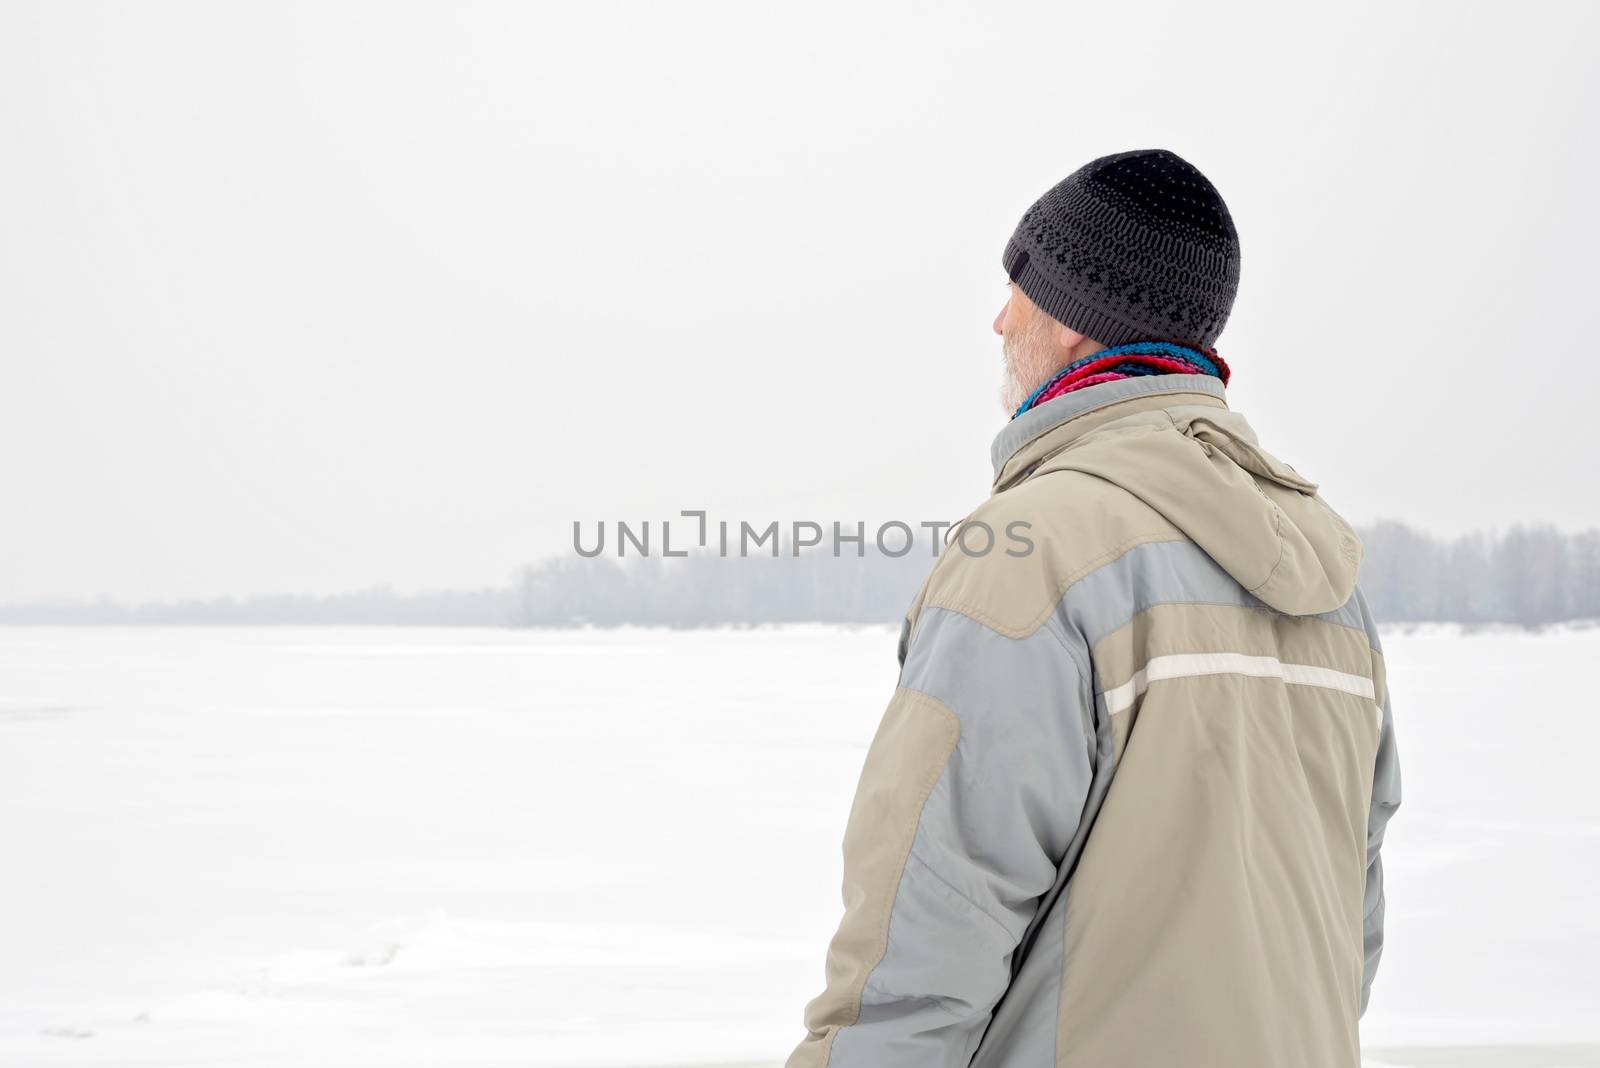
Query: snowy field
x: 394, y: 847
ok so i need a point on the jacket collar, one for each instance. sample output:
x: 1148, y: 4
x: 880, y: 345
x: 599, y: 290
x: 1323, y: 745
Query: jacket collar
x: 1042, y: 431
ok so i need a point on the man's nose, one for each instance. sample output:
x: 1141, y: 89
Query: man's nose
x: 1000, y: 321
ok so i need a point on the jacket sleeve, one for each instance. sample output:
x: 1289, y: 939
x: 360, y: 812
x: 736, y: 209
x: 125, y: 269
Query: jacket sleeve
x: 970, y: 793
x: 1385, y: 800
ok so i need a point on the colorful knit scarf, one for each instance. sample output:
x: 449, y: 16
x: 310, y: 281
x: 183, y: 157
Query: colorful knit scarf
x: 1132, y: 360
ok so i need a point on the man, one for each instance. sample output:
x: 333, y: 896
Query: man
x: 1126, y: 803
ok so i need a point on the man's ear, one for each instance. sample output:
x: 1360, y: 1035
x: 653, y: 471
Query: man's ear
x: 1067, y: 337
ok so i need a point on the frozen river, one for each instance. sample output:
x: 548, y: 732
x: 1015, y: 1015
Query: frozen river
x: 395, y: 847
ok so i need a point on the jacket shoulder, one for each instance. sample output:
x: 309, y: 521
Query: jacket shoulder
x: 1008, y: 563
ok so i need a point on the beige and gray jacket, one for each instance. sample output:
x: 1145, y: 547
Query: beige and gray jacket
x: 1126, y: 803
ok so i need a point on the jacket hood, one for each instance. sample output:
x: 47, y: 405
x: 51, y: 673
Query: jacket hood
x: 1202, y: 467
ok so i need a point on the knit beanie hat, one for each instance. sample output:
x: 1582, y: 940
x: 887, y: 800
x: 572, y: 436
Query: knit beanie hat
x: 1132, y: 246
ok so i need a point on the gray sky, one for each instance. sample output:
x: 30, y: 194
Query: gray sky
x: 310, y: 297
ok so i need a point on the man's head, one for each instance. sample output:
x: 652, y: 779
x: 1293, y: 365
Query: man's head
x: 1130, y: 247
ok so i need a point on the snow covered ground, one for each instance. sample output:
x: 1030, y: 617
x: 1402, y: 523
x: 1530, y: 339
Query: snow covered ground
x: 395, y: 847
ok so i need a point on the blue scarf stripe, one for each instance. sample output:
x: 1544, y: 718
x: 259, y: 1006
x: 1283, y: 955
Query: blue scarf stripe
x: 1151, y: 348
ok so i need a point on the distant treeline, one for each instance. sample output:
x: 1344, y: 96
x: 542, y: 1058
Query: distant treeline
x: 377, y: 607
x: 700, y: 591
x: 1530, y: 575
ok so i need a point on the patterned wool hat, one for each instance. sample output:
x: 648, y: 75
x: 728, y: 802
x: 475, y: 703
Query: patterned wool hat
x: 1132, y: 246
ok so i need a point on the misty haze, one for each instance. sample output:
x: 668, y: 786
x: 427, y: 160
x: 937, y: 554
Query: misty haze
x: 322, y: 325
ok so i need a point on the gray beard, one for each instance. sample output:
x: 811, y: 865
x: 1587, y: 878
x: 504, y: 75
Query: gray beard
x: 1028, y: 362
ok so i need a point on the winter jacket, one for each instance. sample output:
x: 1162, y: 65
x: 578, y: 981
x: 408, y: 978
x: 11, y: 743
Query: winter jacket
x: 1126, y: 803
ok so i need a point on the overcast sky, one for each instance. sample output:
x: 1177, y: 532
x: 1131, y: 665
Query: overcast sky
x: 313, y: 297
